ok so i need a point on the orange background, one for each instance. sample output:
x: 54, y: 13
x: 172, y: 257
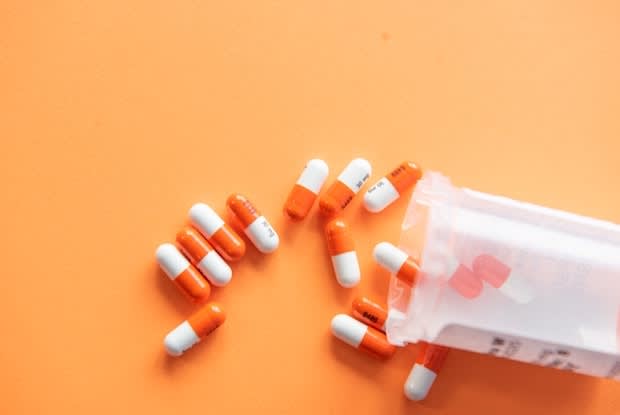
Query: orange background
x: 116, y: 116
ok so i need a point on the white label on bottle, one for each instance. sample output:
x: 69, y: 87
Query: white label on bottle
x: 584, y: 361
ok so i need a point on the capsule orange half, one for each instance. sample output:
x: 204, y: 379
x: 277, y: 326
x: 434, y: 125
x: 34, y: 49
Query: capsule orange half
x: 360, y: 336
x: 183, y: 274
x: 369, y: 312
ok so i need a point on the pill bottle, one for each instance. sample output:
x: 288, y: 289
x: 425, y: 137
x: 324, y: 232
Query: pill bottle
x: 509, y: 279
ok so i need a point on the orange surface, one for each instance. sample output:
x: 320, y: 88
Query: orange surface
x: 116, y: 116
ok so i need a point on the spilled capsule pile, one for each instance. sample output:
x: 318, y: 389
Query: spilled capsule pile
x: 364, y: 329
x: 203, y: 249
x: 199, y: 259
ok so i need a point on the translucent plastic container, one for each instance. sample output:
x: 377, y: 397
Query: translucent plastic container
x: 510, y: 279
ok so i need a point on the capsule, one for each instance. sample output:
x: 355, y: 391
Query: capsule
x: 256, y: 227
x: 429, y: 361
x: 192, y: 330
x: 306, y: 190
x: 187, y: 278
x: 223, y: 238
x: 203, y: 256
x: 360, y: 336
x: 397, y: 262
x: 369, y: 312
x: 391, y: 187
x: 347, y: 185
x: 499, y: 275
x: 341, y: 248
x: 459, y: 276
x: 465, y: 282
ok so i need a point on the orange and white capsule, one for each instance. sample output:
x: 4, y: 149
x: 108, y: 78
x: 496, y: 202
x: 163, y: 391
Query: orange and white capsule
x: 429, y: 362
x: 360, y: 336
x: 192, y: 330
x: 347, y: 185
x: 203, y: 256
x: 256, y: 227
x: 490, y: 269
x: 223, y: 238
x: 369, y: 312
x: 392, y: 186
x: 187, y: 278
x: 397, y: 262
x: 341, y: 248
x: 306, y: 190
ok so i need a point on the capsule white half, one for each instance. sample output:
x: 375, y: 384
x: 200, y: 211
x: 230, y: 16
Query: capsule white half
x: 389, y: 256
x: 380, y: 196
x: 347, y: 269
x: 419, y: 382
x: 348, y: 329
x: 180, y: 339
x: 205, y: 219
x: 356, y: 174
x: 263, y: 235
x: 314, y: 175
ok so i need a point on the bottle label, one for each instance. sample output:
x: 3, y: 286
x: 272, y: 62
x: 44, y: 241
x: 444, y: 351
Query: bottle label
x: 588, y: 362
